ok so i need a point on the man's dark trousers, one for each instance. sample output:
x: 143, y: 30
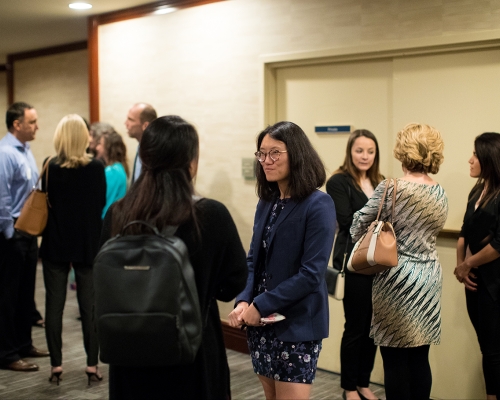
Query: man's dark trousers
x: 18, y: 259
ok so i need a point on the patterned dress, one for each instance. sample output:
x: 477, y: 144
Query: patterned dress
x: 407, y: 298
x: 294, y: 362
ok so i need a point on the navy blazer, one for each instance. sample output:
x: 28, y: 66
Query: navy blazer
x: 299, y: 250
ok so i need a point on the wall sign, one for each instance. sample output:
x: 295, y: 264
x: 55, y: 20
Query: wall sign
x: 330, y: 129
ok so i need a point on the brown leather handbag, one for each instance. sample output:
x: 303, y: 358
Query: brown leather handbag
x: 34, y: 214
x: 376, y: 250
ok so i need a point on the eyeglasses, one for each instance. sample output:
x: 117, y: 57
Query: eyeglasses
x: 273, y: 154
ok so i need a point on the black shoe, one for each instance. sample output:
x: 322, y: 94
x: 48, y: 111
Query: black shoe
x: 57, y: 376
x: 94, y: 376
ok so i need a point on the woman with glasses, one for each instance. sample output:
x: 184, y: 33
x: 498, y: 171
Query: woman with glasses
x: 478, y: 255
x: 350, y: 187
x: 292, y: 241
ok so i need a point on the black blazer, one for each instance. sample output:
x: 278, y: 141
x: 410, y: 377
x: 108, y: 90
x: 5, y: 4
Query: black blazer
x: 348, y: 199
x: 478, y: 225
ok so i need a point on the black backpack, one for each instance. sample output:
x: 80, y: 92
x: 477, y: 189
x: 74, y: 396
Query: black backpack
x: 146, y: 302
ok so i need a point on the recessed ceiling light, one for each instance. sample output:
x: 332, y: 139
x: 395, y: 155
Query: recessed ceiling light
x: 164, y: 10
x: 80, y: 6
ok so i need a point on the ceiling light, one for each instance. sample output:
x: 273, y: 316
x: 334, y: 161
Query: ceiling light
x: 80, y: 6
x: 164, y: 10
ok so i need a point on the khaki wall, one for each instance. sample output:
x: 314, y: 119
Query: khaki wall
x: 3, y: 101
x: 207, y: 64
x: 56, y: 85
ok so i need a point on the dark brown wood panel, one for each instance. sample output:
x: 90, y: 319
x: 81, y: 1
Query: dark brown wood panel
x: 146, y: 9
x: 234, y: 338
x: 449, y: 234
x: 47, y: 51
x: 93, y: 54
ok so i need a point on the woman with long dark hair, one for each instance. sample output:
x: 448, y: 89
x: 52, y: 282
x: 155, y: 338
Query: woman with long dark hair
x: 164, y: 196
x: 478, y: 252
x: 350, y: 188
x: 292, y: 240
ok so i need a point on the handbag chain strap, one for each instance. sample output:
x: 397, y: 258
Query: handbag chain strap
x: 383, y: 199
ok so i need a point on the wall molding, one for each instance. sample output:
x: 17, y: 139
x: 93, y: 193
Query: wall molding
x: 47, y: 51
x: 117, y: 16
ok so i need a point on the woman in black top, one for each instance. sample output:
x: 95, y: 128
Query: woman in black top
x: 77, y: 194
x: 163, y: 196
x: 350, y: 187
x: 478, y: 252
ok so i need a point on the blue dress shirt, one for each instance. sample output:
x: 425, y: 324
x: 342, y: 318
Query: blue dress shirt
x: 18, y: 176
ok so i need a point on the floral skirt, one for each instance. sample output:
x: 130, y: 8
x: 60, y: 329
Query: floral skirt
x: 282, y: 361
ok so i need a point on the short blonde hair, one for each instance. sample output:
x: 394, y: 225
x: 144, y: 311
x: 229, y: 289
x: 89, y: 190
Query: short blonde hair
x: 419, y: 147
x: 71, y: 140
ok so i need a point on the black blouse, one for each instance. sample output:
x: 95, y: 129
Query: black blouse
x: 77, y: 197
x: 481, y: 227
x: 348, y: 199
x: 219, y: 264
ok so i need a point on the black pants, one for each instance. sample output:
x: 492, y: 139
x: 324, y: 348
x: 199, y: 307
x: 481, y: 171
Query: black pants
x: 407, y: 373
x: 357, y: 350
x: 484, y: 314
x: 55, y: 275
x: 18, y: 258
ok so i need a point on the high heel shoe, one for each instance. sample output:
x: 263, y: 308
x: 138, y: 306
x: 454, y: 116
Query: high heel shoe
x: 57, y: 376
x: 94, y: 376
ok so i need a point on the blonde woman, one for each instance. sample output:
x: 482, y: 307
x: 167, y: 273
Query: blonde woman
x: 77, y: 195
x: 407, y: 298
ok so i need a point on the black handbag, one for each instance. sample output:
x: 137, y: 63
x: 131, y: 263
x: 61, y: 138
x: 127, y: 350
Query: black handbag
x: 335, y: 279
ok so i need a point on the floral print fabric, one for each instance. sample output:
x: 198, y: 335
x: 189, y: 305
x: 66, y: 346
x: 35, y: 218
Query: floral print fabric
x: 282, y: 361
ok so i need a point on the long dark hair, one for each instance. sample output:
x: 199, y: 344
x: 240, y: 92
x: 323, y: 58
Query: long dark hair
x: 307, y: 171
x: 487, y: 148
x: 162, y: 195
x: 349, y: 168
x: 115, y: 150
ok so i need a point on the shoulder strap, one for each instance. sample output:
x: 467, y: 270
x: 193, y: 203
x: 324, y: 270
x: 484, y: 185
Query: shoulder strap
x: 382, y: 201
x: 393, y: 199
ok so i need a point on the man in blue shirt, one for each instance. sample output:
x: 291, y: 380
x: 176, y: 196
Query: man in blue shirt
x: 138, y: 118
x: 18, y: 253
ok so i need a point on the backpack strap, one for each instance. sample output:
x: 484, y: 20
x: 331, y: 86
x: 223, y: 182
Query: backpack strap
x: 152, y: 227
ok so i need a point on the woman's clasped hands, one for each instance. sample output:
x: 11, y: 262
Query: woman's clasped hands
x: 463, y: 273
x: 244, y: 315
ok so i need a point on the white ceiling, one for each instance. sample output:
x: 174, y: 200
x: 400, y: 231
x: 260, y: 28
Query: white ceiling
x: 35, y: 24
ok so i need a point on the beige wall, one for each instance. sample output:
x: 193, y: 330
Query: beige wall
x: 56, y: 85
x: 207, y: 64
x: 3, y: 101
